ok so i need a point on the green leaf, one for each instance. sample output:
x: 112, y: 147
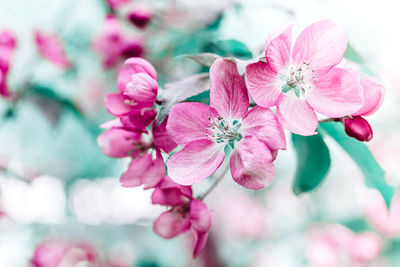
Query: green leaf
x: 374, y: 175
x: 352, y: 55
x: 313, y: 162
x: 227, y: 48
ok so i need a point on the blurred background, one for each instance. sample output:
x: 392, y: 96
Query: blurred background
x: 58, y: 192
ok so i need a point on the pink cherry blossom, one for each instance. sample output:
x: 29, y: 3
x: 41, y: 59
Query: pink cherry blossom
x: 63, y: 253
x: 138, y: 88
x: 113, y: 46
x: 337, y: 246
x: 185, y: 213
x: 51, y: 48
x: 8, y: 43
x: 205, y: 131
x: 139, y: 17
x: 147, y: 164
x: 305, y: 80
x: 384, y: 220
x: 355, y: 125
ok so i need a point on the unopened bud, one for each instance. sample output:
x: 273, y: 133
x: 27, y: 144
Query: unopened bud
x: 140, y: 18
x: 358, y: 128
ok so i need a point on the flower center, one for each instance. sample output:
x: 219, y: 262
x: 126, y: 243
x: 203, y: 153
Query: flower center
x: 297, y: 79
x: 224, y: 132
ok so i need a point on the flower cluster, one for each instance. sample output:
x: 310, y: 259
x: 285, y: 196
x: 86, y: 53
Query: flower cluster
x: 301, y: 82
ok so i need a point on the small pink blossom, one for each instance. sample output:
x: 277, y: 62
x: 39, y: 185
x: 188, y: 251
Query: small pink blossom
x: 305, y: 80
x: 138, y: 88
x: 113, y: 46
x: 384, y: 220
x: 337, y: 246
x: 8, y: 43
x: 63, y: 253
x: 205, y: 131
x: 51, y: 48
x: 140, y: 17
x: 185, y: 213
x: 355, y: 125
x: 114, y: 4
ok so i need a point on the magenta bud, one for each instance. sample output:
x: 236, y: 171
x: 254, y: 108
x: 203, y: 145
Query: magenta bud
x: 358, y: 128
x: 140, y: 18
x: 132, y: 49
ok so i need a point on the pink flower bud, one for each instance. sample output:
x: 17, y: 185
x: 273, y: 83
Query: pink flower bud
x: 139, y: 17
x: 358, y: 128
x: 132, y: 49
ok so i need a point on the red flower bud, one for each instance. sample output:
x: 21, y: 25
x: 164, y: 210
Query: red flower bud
x: 358, y: 128
x: 140, y: 18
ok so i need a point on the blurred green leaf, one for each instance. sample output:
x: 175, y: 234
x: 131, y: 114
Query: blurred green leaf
x: 228, y: 48
x: 352, y: 55
x: 374, y: 175
x: 204, y: 59
x: 313, y: 162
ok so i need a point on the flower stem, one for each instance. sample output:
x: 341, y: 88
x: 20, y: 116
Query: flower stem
x: 217, y: 181
x: 326, y: 120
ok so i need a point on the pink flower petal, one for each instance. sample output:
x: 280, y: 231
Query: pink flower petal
x: 162, y: 140
x: 133, y: 66
x: 197, y: 161
x: 170, y: 224
x: 200, y: 216
x: 144, y: 170
x: 366, y: 246
x: 189, y: 122
x: 373, y: 92
x: 200, y: 240
x: 322, y: 45
x: 278, y: 48
x: 262, y: 83
x: 118, y: 143
x: 262, y: 123
x: 139, y: 119
x: 228, y: 93
x: 336, y: 94
x: 8, y: 43
x: 142, y: 88
x: 115, y: 123
x: 168, y: 197
x: 51, y: 47
x: 115, y: 104
x: 251, y: 164
x: 296, y: 115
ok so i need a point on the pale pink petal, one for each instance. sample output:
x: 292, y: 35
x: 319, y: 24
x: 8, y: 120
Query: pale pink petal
x: 262, y: 83
x: 197, y: 161
x: 115, y: 123
x: 373, y: 92
x: 200, y: 216
x: 118, y: 143
x: 162, y: 140
x: 278, y: 48
x: 200, y: 240
x: 168, y: 197
x: 321, y: 45
x: 167, y: 183
x: 142, y: 88
x: 296, y: 115
x: 251, y: 164
x: 170, y: 224
x: 262, y: 123
x: 228, y: 93
x: 189, y: 122
x: 335, y: 94
x: 115, y: 104
x: 133, y: 66
x: 366, y: 246
x: 8, y: 43
x: 51, y: 47
x: 155, y: 172
x: 114, y: 4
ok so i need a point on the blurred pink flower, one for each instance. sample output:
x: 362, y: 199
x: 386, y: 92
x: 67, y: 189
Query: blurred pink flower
x: 337, y: 246
x: 113, y: 46
x: 186, y: 213
x: 384, y: 220
x: 305, y: 79
x: 139, y: 17
x: 204, y: 132
x: 63, y: 253
x: 51, y: 48
x: 8, y: 43
x: 114, y: 4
